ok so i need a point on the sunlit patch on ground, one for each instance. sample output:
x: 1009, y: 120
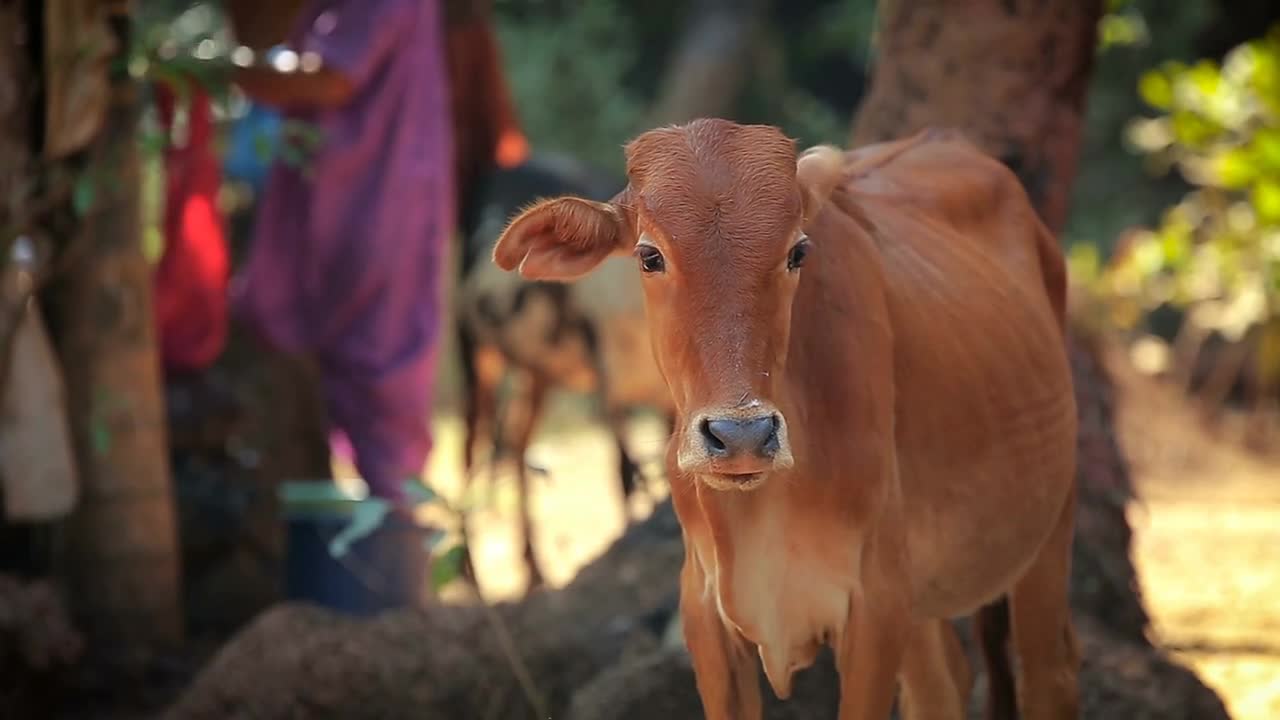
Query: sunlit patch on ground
x: 1207, y: 548
x: 577, y: 504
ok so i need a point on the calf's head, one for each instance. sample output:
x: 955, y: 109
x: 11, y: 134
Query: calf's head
x: 714, y: 214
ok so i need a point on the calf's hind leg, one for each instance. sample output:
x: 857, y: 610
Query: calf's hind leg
x: 1043, y: 634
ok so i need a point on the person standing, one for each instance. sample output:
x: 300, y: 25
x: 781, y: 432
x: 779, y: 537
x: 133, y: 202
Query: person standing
x: 349, y: 245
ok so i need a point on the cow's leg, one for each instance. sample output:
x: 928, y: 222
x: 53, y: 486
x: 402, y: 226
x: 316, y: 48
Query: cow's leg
x: 616, y: 419
x: 936, y: 677
x: 487, y: 367
x: 482, y: 369
x: 467, y: 349
x: 991, y: 629
x: 521, y: 434
x: 628, y: 470
x: 723, y: 664
x: 494, y: 367
x: 870, y: 652
x: 1042, y: 631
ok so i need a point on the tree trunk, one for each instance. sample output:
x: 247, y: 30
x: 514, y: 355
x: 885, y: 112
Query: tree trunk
x: 711, y: 63
x: 1013, y: 76
x: 15, y: 116
x: 119, y: 553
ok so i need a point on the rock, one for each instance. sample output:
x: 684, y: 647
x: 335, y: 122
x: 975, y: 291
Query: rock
x: 38, y: 646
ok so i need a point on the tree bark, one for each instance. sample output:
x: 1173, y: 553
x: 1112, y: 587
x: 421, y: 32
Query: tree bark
x: 119, y: 552
x: 1011, y: 74
x: 711, y: 63
x: 15, y: 117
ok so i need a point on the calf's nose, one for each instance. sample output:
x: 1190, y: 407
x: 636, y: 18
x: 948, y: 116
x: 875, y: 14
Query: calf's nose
x: 736, y: 437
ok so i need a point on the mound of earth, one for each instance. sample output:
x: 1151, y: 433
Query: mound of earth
x: 38, y: 646
x: 1119, y: 681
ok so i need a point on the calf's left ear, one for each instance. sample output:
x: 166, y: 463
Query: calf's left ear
x: 560, y: 239
x: 818, y: 171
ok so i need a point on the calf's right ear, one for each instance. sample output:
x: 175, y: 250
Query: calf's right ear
x: 561, y: 239
x: 818, y: 171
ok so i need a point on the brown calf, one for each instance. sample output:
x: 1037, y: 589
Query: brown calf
x: 876, y: 426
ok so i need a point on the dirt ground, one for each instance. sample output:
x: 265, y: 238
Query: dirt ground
x: 1206, y: 530
x: 1206, y: 539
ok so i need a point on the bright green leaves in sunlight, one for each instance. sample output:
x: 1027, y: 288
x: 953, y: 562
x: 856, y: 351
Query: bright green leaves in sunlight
x: 1121, y: 25
x: 1217, y: 252
x: 1265, y: 197
x: 1156, y: 89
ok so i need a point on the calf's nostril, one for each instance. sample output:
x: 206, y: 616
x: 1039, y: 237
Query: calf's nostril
x: 713, y: 442
x: 723, y: 437
x: 771, y: 443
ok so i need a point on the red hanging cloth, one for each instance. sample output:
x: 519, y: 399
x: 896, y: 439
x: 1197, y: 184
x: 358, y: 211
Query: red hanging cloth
x: 191, y: 278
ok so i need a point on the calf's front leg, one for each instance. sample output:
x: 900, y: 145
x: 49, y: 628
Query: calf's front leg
x: 871, y: 649
x: 723, y: 664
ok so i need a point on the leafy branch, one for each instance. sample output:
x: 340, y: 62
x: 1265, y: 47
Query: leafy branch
x: 1216, y: 253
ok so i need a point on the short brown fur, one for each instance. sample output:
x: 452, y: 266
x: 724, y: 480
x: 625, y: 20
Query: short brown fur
x: 868, y: 444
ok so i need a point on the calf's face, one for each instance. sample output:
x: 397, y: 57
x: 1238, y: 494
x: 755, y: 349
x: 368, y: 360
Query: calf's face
x: 714, y: 214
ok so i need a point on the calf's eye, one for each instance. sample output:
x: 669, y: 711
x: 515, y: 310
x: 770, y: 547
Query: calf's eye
x: 799, y: 251
x: 651, y: 260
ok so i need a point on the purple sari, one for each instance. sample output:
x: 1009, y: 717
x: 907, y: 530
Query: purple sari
x: 348, y: 251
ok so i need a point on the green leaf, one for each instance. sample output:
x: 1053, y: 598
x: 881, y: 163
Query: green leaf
x: 1122, y: 29
x: 100, y: 438
x: 447, y: 567
x: 1175, y: 247
x: 1266, y: 149
x: 1084, y: 262
x: 1234, y: 168
x: 366, y: 518
x: 152, y: 142
x: 1156, y: 89
x: 1205, y: 77
x: 1266, y: 201
x: 83, y: 194
x: 1193, y: 130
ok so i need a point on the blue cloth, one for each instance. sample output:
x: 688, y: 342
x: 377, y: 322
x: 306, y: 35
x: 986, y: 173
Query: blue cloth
x: 253, y: 140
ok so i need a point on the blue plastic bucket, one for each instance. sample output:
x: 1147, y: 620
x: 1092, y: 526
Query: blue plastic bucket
x: 385, y: 569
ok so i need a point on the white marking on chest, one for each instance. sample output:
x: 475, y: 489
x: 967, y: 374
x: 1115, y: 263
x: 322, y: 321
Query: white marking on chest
x: 783, y: 595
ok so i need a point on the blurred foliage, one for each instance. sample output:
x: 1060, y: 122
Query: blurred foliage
x: 1122, y: 25
x: 566, y: 72
x: 1099, y: 211
x: 1216, y: 252
x: 584, y: 74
